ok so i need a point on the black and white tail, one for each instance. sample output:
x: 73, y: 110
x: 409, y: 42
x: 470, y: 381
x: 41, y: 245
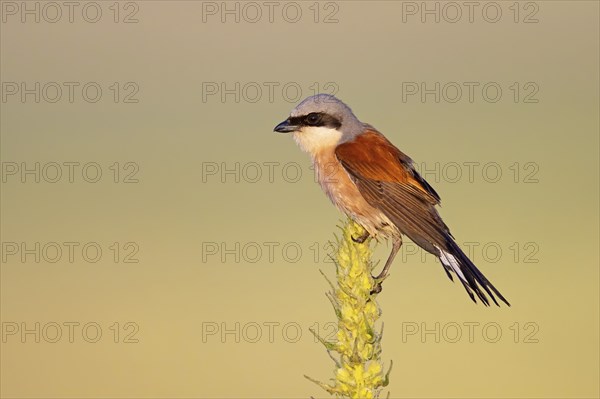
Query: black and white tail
x: 454, y: 260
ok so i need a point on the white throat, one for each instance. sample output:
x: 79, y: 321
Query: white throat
x: 314, y: 140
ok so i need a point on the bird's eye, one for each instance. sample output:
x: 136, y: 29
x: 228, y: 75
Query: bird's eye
x: 313, y: 119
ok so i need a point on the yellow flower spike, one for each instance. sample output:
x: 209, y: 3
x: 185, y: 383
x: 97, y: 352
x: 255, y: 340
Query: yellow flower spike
x: 359, y: 371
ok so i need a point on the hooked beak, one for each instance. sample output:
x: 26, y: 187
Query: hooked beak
x: 285, y: 127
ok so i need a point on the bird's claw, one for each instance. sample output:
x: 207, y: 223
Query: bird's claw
x: 361, y: 239
x: 377, y: 287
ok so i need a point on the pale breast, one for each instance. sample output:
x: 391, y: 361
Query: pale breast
x: 344, y: 194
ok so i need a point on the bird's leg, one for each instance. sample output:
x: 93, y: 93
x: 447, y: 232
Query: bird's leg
x: 379, y: 279
x: 361, y: 238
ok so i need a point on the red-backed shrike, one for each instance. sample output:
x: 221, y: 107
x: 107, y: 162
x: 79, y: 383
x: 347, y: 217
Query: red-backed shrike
x: 376, y: 185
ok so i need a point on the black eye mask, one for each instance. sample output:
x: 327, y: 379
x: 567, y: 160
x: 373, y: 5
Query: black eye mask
x: 316, y: 119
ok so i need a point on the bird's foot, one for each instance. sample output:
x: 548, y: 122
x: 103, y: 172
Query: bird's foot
x: 361, y: 238
x: 377, y: 287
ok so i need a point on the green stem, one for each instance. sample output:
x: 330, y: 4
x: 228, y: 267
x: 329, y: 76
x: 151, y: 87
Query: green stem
x: 359, y: 371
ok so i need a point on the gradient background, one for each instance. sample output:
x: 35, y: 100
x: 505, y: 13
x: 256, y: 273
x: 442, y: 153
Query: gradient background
x: 172, y: 212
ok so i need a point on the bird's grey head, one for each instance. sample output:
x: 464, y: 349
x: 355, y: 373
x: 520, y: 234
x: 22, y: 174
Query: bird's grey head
x: 321, y: 122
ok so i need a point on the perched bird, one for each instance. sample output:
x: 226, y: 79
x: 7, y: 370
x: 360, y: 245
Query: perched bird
x: 376, y: 185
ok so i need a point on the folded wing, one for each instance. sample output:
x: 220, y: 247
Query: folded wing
x: 388, y: 181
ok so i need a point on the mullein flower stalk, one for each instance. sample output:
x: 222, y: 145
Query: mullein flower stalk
x: 359, y: 369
